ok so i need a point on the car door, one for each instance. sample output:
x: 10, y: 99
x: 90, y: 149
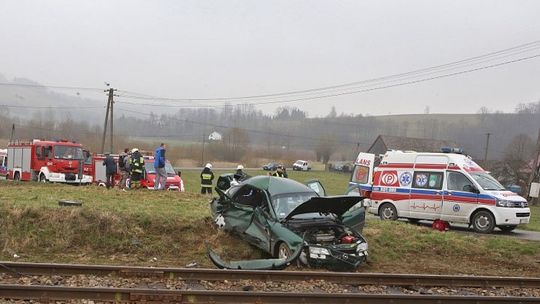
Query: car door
x: 459, y: 201
x: 360, y: 183
x: 239, y: 214
x: 259, y: 230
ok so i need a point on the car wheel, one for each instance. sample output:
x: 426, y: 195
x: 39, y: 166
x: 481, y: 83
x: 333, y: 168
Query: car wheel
x: 483, y: 222
x: 283, y: 252
x: 42, y: 178
x: 507, y: 228
x: 388, y: 212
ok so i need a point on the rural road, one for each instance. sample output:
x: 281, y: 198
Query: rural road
x: 463, y: 228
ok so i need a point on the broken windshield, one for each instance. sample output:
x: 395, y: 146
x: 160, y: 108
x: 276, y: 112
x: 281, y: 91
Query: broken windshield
x: 285, y: 203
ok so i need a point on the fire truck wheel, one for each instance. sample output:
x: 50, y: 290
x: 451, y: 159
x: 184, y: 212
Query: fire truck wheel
x: 17, y: 177
x: 388, y: 212
x: 483, y: 221
x: 42, y: 178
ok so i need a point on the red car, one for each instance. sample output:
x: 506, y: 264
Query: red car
x: 174, y: 181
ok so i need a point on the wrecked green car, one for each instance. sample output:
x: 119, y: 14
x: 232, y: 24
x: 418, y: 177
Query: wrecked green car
x: 290, y: 220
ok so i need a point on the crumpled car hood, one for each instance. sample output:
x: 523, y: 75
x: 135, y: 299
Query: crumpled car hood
x: 337, y: 205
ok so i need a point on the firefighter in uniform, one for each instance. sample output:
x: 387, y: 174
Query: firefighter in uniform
x: 279, y: 172
x: 136, y: 167
x: 207, y: 176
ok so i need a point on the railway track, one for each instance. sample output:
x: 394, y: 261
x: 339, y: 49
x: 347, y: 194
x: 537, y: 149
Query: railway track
x: 45, y: 294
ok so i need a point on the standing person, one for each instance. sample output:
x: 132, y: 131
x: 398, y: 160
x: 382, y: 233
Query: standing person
x: 159, y: 165
x: 240, y: 172
x: 123, y: 165
x: 110, y: 169
x: 137, y: 167
x: 278, y: 172
x: 207, y: 176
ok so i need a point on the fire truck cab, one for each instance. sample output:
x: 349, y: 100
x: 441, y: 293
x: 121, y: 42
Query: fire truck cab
x: 46, y: 161
x: 436, y: 186
x: 3, y: 164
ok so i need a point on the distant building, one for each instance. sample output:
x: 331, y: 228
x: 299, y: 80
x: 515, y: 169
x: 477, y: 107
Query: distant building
x: 385, y: 143
x: 215, y: 136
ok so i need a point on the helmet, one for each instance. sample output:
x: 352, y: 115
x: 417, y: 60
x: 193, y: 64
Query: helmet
x: 134, y: 150
x: 208, y: 165
x: 240, y: 167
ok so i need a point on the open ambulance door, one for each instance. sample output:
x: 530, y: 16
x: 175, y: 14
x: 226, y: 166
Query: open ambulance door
x: 361, y: 181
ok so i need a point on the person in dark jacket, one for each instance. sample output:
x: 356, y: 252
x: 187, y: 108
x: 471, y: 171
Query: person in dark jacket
x: 110, y: 170
x: 137, y: 167
x: 207, y: 177
x: 159, y: 166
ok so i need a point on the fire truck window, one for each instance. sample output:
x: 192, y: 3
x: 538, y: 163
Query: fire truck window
x: 457, y: 181
x: 39, y: 152
x: 428, y: 180
x: 47, y: 151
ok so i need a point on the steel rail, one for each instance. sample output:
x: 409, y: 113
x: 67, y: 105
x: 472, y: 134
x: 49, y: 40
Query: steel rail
x: 217, y: 275
x: 52, y: 293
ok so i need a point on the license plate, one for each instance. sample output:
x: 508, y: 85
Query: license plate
x: 524, y: 221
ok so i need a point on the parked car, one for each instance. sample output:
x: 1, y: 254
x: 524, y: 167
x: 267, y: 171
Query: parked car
x: 288, y: 220
x: 270, y: 166
x: 301, y: 165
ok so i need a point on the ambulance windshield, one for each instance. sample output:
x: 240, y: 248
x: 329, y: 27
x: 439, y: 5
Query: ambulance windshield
x: 486, y: 181
x: 67, y: 152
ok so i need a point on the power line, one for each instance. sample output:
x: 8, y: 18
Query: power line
x: 50, y: 107
x: 48, y: 86
x: 497, y: 55
x: 354, y: 91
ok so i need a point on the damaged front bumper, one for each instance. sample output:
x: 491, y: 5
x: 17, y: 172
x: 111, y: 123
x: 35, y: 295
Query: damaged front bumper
x: 262, y: 264
x: 335, y: 258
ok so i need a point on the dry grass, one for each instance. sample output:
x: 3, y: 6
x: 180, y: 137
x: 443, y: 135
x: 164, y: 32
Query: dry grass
x: 114, y: 227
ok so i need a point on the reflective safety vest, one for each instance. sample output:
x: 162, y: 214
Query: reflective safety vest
x: 278, y: 174
x: 137, y: 164
x: 206, y: 179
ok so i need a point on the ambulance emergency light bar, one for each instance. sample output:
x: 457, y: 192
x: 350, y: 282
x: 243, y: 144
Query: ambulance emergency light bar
x: 452, y: 150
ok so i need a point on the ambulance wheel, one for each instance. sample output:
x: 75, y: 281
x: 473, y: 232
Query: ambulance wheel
x: 388, y: 212
x: 17, y: 177
x: 507, y: 228
x: 42, y: 178
x: 483, y: 222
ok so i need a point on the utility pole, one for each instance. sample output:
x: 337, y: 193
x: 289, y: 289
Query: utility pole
x: 487, y: 147
x: 110, y: 103
x: 202, y: 153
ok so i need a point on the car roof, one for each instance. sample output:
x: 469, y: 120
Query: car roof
x: 277, y: 185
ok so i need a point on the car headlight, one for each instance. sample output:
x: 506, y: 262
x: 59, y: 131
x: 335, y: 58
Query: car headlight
x: 362, y: 247
x: 505, y: 203
x: 318, y: 251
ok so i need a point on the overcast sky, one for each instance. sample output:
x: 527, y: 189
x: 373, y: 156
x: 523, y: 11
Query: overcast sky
x: 207, y: 49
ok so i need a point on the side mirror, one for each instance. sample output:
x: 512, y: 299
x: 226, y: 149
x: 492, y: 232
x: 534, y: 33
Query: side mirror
x: 470, y: 188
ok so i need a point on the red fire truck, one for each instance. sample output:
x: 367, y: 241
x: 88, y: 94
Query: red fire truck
x: 3, y: 164
x: 46, y: 161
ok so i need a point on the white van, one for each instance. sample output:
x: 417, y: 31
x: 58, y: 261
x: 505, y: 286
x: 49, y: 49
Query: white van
x: 301, y: 165
x: 430, y: 186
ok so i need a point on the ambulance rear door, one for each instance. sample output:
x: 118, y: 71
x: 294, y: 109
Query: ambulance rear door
x: 361, y: 181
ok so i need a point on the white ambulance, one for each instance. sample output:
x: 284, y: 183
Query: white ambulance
x: 431, y: 186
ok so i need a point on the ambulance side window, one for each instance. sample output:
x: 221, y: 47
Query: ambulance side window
x: 428, y: 180
x: 457, y: 181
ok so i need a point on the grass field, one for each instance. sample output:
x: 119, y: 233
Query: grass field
x: 115, y: 227
x: 335, y: 183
